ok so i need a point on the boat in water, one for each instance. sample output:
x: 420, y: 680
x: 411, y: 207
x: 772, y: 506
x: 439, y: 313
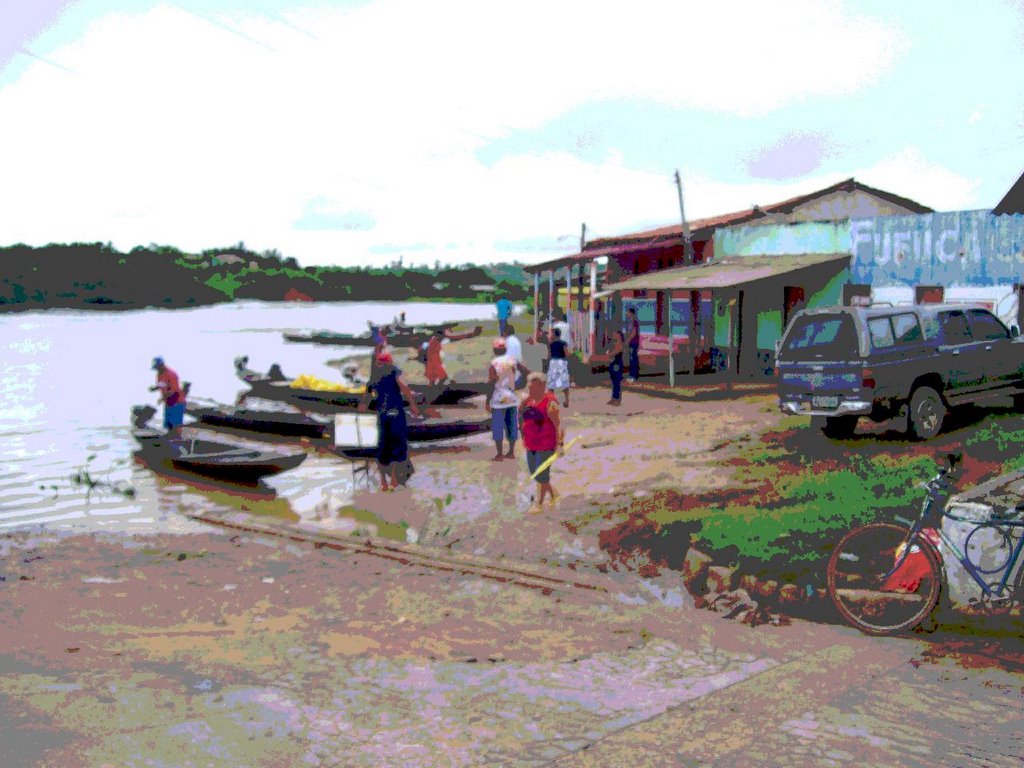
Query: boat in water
x: 208, y: 457
x: 319, y: 428
x: 403, y: 338
x: 274, y: 385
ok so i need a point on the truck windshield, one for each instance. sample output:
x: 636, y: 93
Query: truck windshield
x: 821, y: 337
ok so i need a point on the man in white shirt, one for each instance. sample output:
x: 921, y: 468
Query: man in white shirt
x: 513, y: 346
x: 562, y: 325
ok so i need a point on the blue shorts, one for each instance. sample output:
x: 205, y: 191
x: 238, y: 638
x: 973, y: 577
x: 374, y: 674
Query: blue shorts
x: 174, y: 415
x: 534, y: 459
x: 505, y: 423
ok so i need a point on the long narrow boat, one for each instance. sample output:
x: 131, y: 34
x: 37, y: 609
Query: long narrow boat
x: 320, y: 429
x: 349, y: 340
x: 279, y: 388
x: 213, y: 458
x: 396, y: 339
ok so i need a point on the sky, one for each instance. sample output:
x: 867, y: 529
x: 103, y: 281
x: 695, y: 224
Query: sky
x: 361, y: 132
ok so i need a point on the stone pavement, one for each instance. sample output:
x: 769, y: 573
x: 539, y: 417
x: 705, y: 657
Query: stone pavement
x: 861, y: 702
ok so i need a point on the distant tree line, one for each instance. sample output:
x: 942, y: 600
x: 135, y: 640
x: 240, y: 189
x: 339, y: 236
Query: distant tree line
x: 84, y: 275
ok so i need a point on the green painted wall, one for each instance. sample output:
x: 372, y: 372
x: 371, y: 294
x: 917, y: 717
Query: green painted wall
x: 832, y: 293
x: 769, y: 328
x: 769, y: 324
x: 721, y: 323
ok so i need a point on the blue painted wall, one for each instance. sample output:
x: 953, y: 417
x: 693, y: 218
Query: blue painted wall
x: 965, y: 248
x: 956, y: 248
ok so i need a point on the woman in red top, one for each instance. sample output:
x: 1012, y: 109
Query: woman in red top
x: 542, y: 433
x: 436, y: 374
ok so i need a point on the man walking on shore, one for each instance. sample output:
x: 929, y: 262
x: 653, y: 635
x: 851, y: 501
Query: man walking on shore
x: 543, y: 434
x: 633, y: 340
x: 503, y: 405
x: 504, y: 313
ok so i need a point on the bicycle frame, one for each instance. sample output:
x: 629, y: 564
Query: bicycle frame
x: 938, y: 493
x: 977, y: 573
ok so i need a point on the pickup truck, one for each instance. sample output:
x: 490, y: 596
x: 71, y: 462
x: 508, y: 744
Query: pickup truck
x: 911, y: 363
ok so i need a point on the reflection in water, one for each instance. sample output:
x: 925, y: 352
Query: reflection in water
x: 176, y: 495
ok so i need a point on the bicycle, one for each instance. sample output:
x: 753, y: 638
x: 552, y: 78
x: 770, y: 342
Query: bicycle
x: 885, y: 578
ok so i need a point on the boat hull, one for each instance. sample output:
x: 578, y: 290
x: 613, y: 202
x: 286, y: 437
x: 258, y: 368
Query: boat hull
x: 215, y: 459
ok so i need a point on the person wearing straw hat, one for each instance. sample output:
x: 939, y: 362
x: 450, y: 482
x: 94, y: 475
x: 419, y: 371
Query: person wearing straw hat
x: 543, y: 434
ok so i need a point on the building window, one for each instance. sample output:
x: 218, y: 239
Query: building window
x: 856, y: 294
x: 929, y: 294
x: 794, y: 301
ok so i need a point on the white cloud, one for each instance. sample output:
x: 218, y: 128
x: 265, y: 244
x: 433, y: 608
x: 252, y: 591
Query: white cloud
x: 199, y: 128
x: 910, y: 174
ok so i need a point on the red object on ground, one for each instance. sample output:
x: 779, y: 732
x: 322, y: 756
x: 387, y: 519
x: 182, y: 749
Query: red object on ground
x: 294, y: 295
x: 908, y: 577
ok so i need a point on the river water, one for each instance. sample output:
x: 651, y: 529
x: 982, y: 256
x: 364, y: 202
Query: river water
x: 69, y: 378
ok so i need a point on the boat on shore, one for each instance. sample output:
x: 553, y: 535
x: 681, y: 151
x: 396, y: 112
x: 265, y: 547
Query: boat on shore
x: 204, y: 456
x: 405, y: 338
x: 274, y: 385
x: 320, y: 429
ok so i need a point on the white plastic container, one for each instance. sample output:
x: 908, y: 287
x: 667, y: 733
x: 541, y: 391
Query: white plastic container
x: 971, y: 514
x: 356, y: 430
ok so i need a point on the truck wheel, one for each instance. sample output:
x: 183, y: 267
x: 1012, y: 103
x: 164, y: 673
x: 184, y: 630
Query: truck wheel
x: 926, y: 414
x: 839, y: 427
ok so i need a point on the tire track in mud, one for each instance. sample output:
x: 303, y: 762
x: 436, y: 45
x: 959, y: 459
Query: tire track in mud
x: 409, y: 556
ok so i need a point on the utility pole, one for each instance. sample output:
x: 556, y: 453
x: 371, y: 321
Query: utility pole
x: 583, y: 242
x: 687, y: 245
x: 694, y: 295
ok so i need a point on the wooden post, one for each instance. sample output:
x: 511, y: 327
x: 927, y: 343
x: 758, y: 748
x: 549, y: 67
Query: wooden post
x: 568, y: 294
x: 593, y: 293
x: 536, y: 305
x: 583, y: 243
x: 671, y: 346
x: 551, y: 301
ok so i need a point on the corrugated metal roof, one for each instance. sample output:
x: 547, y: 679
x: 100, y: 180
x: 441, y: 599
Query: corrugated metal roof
x: 764, y: 211
x: 703, y: 229
x: 589, y: 254
x: 728, y: 273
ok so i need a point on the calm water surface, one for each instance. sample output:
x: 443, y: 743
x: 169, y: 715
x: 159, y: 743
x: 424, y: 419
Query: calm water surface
x: 69, y: 378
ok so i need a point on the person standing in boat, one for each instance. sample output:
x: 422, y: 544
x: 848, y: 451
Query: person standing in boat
x: 387, y: 385
x: 436, y: 374
x: 171, y: 394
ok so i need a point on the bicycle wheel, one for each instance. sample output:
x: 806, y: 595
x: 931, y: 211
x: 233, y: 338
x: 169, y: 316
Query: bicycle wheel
x: 864, y: 588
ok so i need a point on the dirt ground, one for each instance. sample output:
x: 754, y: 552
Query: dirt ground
x: 461, y: 500
x: 226, y: 649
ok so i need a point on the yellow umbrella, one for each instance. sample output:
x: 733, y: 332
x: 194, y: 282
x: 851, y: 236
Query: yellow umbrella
x: 551, y: 459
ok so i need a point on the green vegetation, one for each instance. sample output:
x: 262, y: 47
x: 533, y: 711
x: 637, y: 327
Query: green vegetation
x: 86, y: 275
x: 788, y: 530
